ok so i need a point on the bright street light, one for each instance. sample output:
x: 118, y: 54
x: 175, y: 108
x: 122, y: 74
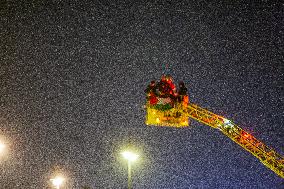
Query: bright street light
x: 57, y: 182
x: 2, y: 147
x: 130, y: 157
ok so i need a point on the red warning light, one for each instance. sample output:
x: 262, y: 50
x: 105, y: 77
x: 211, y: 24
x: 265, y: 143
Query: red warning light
x: 246, y: 135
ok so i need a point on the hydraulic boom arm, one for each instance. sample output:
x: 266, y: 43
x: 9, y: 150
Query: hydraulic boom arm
x: 167, y: 106
x: 266, y: 155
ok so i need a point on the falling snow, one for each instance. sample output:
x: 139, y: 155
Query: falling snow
x: 72, y: 80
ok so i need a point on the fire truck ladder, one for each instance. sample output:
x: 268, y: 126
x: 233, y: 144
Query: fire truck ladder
x: 266, y: 155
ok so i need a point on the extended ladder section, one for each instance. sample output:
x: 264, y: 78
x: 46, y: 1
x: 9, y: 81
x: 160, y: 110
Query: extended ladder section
x: 266, y: 155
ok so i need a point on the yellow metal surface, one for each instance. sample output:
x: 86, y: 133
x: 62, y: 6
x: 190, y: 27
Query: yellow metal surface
x: 269, y: 157
x: 174, y: 117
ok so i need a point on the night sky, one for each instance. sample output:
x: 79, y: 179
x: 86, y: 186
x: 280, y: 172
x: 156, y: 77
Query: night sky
x: 72, y: 81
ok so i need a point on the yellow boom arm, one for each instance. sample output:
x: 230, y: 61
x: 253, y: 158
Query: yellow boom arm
x: 266, y: 155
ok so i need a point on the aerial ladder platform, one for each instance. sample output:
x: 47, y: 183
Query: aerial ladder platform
x: 166, y: 106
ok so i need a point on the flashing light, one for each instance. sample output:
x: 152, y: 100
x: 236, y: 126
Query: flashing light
x: 246, y: 135
x: 227, y: 123
x: 158, y: 120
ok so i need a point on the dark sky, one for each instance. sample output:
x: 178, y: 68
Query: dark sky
x: 72, y: 80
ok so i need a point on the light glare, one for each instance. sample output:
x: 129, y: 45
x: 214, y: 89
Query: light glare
x: 2, y: 147
x: 129, y: 156
x: 227, y: 123
x: 57, y: 181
